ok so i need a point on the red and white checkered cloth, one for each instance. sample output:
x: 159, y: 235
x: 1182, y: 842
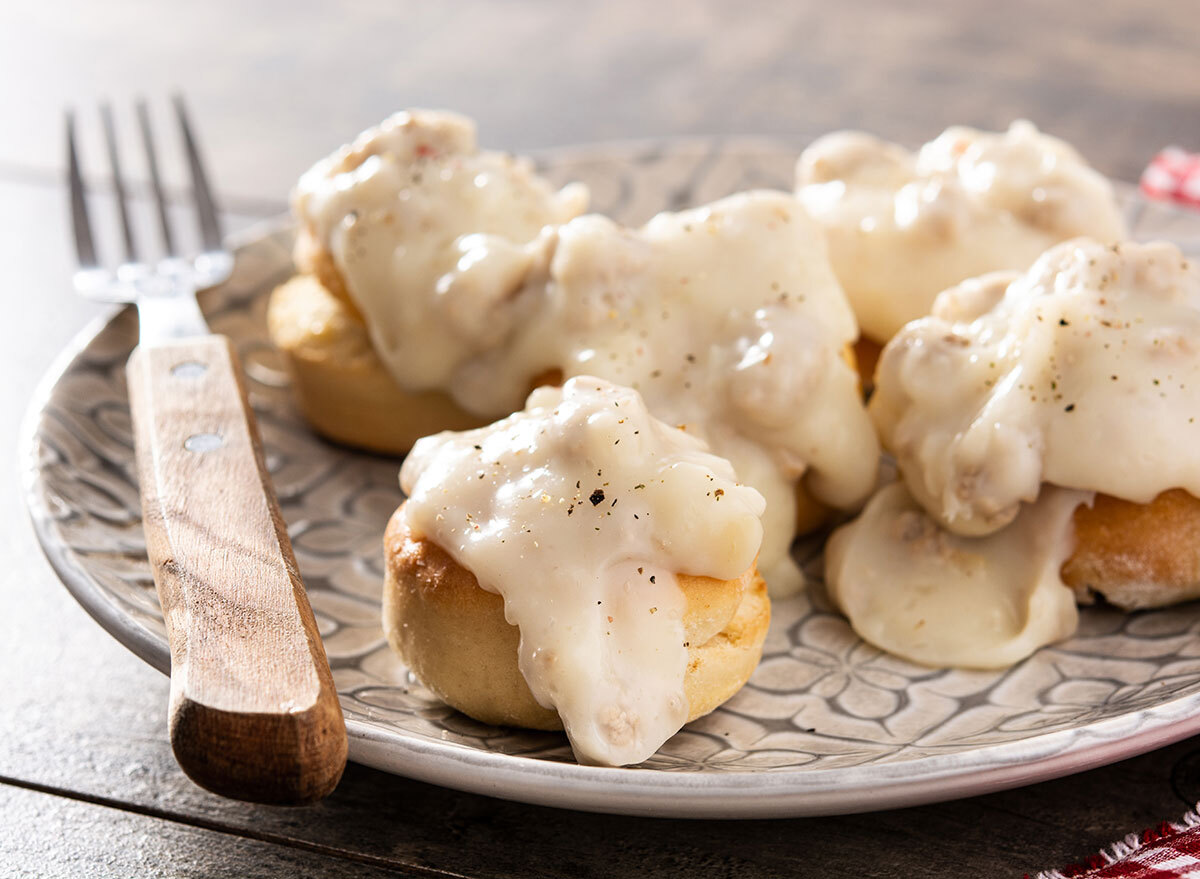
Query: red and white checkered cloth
x: 1173, y: 175
x: 1169, y: 851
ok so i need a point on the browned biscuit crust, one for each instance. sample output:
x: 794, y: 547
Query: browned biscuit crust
x: 454, y: 637
x: 1137, y: 555
x: 339, y: 381
x: 313, y: 259
x: 866, y: 358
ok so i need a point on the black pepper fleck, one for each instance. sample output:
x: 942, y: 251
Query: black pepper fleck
x: 596, y: 497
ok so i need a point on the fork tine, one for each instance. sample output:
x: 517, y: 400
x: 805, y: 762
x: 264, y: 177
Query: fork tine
x: 160, y: 200
x: 206, y: 208
x: 85, y: 249
x: 114, y: 161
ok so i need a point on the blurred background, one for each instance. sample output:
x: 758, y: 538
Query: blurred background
x: 274, y: 85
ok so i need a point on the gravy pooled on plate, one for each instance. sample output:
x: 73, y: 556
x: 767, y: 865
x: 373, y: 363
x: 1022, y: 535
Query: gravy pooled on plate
x: 1020, y: 398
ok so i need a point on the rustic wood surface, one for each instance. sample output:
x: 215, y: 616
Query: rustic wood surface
x: 88, y: 784
x: 253, y: 713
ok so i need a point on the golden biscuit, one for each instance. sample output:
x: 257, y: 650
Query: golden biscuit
x: 339, y: 381
x: 1137, y: 555
x: 454, y: 636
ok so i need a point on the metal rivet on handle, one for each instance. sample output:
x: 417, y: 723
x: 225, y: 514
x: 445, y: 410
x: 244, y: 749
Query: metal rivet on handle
x: 189, y: 369
x: 203, y: 442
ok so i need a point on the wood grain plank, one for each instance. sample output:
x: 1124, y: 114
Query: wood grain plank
x: 44, y: 837
x: 390, y: 820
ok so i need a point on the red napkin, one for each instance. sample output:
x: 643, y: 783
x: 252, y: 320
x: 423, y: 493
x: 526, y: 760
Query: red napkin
x: 1173, y: 175
x: 1168, y: 851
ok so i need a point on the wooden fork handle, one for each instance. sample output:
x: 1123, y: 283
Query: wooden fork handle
x: 253, y: 713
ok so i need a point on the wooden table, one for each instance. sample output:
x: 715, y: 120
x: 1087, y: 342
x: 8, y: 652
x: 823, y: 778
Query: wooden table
x: 88, y: 786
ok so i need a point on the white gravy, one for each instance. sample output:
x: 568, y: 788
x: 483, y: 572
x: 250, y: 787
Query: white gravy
x: 902, y: 227
x: 726, y: 318
x: 1015, y: 401
x: 1084, y: 373
x: 434, y: 239
x: 918, y: 591
x: 579, y: 511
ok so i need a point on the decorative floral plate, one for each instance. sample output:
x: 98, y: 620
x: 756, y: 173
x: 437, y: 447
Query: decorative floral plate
x: 826, y: 725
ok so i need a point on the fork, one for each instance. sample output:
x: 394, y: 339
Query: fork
x: 253, y: 713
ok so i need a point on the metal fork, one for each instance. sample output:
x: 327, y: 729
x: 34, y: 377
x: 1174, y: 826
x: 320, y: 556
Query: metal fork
x: 253, y: 712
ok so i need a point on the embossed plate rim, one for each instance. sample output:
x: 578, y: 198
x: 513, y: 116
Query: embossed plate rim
x: 691, y: 793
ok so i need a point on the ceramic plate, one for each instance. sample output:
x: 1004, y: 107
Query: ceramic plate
x: 827, y: 724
